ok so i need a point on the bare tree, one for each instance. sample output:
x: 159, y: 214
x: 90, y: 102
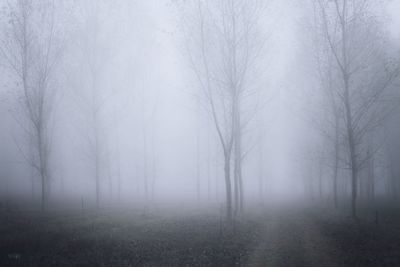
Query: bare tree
x: 92, y: 96
x: 328, y: 122
x: 199, y: 41
x: 148, y: 110
x: 361, y: 74
x: 222, y: 43
x: 31, y: 48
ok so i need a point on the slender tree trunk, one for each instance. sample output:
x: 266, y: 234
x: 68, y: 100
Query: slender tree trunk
x: 320, y: 179
x: 198, y: 152
x: 154, y: 169
x: 110, y: 179
x: 371, y: 178
x: 119, y: 179
x: 236, y: 190
x: 311, y: 182
x: 97, y: 180
x: 352, y: 145
x: 261, y: 174
x: 228, y: 188
x: 118, y: 158
x: 62, y: 183
x: 208, y: 182
x: 144, y: 135
x: 353, y: 163
x: 354, y: 172
x: 393, y: 179
x: 372, y: 183
x: 198, y: 165
x: 238, y: 159
x: 43, y: 203
x: 43, y: 176
x: 42, y: 163
x: 33, y: 184
x: 145, y: 176
x: 348, y: 112
x: 96, y: 156
x: 241, y: 193
x: 336, y: 163
x: 209, y: 172
x: 216, y: 173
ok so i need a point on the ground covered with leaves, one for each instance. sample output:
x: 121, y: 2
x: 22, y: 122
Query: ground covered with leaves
x: 123, y: 238
x: 264, y: 237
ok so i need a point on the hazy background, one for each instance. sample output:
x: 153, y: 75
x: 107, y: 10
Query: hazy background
x: 150, y: 119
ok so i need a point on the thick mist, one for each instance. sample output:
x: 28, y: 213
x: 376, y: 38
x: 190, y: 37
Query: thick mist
x: 124, y: 95
x: 126, y: 63
x: 227, y: 119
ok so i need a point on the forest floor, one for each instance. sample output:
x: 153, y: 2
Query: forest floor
x: 265, y: 237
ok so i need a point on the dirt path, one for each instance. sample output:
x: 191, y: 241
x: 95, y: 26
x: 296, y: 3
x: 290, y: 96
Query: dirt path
x: 293, y: 239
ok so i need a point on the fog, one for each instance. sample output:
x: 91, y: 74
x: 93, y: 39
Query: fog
x: 152, y: 122
x: 147, y: 89
x: 226, y: 106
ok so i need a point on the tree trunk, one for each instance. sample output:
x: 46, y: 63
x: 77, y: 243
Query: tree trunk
x: 97, y: 164
x: 97, y: 181
x: 43, y: 205
x: 145, y: 174
x: 241, y: 189
x: 393, y: 178
x: 238, y: 159
x: 198, y: 165
x: 320, y: 179
x: 353, y: 163
x: 336, y: 163
x: 352, y: 147
x: 42, y: 163
x: 261, y: 177
x: 227, y: 170
x: 371, y: 179
x: 198, y: 152
x: 33, y: 185
x: 208, y: 177
x: 236, y: 190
